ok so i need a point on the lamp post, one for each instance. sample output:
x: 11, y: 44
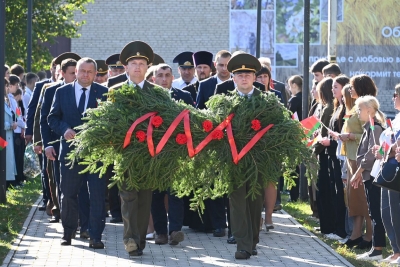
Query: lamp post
x: 29, y: 37
x: 332, y: 22
x: 306, y: 52
x: 3, y: 166
x: 258, y: 40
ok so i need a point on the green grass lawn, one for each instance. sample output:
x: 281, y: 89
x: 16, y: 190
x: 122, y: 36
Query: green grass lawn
x: 13, y: 214
x: 301, y: 211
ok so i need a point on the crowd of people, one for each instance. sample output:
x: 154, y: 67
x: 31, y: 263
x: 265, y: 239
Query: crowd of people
x: 43, y: 112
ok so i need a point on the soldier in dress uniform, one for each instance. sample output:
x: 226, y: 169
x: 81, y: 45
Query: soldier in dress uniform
x: 185, y: 69
x: 202, y: 61
x: 102, y: 71
x: 135, y: 204
x: 116, y: 71
x: 245, y: 212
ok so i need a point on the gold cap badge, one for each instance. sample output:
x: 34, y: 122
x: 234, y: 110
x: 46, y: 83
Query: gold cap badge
x: 138, y: 54
x: 119, y: 63
x: 243, y: 66
x: 101, y: 69
x: 187, y: 63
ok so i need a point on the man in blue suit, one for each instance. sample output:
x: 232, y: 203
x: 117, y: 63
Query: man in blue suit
x: 52, y: 149
x: 69, y: 106
x: 207, y: 87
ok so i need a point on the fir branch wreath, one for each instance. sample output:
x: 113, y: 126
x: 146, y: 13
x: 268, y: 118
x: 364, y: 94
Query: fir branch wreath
x: 206, y: 152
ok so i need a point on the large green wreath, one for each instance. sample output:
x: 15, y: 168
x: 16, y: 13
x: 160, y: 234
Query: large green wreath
x: 210, y: 173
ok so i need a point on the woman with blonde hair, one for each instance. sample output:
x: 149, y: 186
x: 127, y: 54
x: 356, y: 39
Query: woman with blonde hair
x: 374, y: 121
x: 357, y: 206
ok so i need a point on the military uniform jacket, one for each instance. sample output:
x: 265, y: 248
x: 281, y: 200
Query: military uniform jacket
x: 178, y: 94
x: 192, y: 89
x: 116, y: 80
x: 229, y: 85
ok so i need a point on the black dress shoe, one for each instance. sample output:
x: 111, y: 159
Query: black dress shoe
x: 364, y: 245
x: 231, y: 240
x: 351, y: 243
x: 116, y: 220
x: 254, y: 252
x: 220, y: 232
x: 84, y: 235
x: 65, y: 241
x: 242, y: 255
x: 43, y: 207
x: 136, y: 253
x: 96, y: 244
x: 54, y: 219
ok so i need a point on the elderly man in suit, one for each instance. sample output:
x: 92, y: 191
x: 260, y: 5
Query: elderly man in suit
x: 68, y: 108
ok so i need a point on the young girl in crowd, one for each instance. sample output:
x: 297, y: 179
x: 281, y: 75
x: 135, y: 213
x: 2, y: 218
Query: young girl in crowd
x: 324, y: 200
x: 374, y: 121
x: 335, y: 125
x: 357, y: 207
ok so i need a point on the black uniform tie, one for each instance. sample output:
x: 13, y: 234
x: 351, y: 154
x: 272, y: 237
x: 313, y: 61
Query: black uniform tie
x: 82, y: 101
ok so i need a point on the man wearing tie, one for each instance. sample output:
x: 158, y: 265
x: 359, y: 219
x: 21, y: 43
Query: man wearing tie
x: 69, y: 106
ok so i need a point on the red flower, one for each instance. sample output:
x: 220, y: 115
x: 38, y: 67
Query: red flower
x: 207, y: 126
x: 217, y: 134
x: 256, y: 125
x: 141, y: 136
x: 181, y: 138
x: 157, y: 121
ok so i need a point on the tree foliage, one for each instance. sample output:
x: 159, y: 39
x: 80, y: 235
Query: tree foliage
x: 50, y: 19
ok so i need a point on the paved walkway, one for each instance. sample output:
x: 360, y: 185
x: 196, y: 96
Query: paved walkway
x: 289, y: 244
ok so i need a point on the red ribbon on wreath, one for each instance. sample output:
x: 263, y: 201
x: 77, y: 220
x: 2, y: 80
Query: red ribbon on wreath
x: 217, y: 133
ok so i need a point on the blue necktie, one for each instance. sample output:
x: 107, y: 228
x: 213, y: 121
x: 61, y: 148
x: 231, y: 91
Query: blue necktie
x: 82, y: 101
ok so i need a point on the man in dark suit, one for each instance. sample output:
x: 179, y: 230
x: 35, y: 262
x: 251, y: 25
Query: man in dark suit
x: 135, y: 204
x: 52, y: 150
x: 245, y: 211
x: 163, y: 76
x: 30, y: 118
x: 202, y: 61
x: 116, y: 71
x: 207, y: 87
x: 69, y: 106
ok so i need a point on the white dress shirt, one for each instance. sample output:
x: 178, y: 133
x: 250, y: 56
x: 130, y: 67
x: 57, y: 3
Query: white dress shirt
x: 78, y: 94
x: 27, y: 96
x: 249, y: 94
x: 134, y: 84
x: 180, y: 83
